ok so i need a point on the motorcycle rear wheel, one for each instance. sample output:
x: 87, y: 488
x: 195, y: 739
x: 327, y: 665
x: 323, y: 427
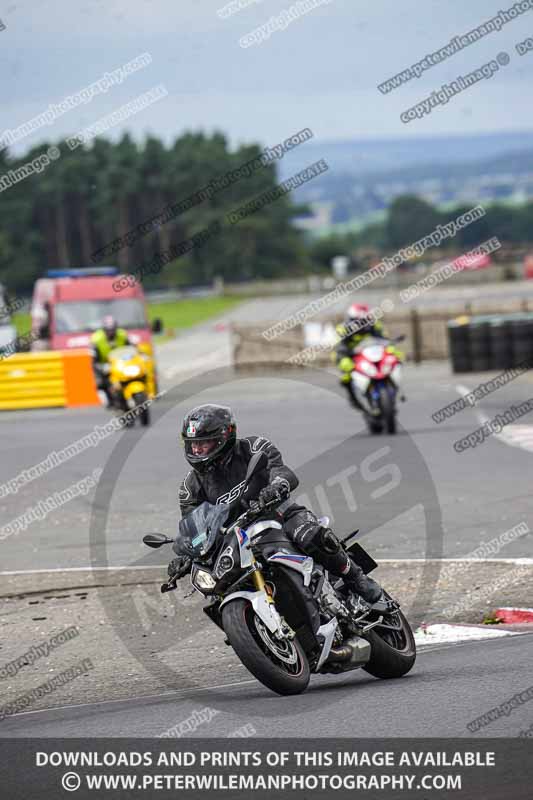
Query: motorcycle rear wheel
x: 285, y: 671
x: 393, y: 653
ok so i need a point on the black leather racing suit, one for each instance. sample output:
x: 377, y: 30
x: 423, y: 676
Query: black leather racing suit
x: 225, y: 482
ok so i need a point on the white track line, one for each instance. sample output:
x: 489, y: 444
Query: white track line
x: 512, y: 435
x: 520, y: 562
x: 79, y: 569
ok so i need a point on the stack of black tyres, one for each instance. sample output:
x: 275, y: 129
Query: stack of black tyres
x: 481, y: 343
x: 479, y: 336
x: 459, y: 346
x: 501, y: 351
x: 521, y: 339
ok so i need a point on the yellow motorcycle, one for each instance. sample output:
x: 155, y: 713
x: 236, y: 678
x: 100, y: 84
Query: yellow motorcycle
x: 132, y: 380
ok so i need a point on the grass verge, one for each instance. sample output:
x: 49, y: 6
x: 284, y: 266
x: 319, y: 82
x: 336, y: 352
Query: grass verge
x: 181, y: 314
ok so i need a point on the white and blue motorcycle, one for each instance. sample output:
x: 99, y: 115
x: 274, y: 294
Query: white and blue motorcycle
x: 281, y: 613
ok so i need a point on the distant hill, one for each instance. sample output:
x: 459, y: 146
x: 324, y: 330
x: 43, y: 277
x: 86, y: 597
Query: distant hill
x: 363, y: 156
x: 365, y: 176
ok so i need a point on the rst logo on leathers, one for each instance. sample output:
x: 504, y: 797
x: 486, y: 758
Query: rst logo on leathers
x: 232, y: 495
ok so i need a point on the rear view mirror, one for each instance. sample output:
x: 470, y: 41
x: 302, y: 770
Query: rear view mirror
x: 400, y: 338
x: 157, y: 325
x: 156, y: 539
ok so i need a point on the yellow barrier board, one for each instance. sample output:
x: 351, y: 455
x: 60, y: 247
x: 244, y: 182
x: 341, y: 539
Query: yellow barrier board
x: 49, y: 379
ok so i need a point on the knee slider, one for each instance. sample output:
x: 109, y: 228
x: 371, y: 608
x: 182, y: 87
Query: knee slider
x: 313, y: 538
x: 307, y: 536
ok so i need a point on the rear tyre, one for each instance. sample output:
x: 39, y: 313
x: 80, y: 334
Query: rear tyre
x: 374, y: 425
x: 140, y: 399
x: 386, y: 403
x: 286, y: 672
x: 393, y: 652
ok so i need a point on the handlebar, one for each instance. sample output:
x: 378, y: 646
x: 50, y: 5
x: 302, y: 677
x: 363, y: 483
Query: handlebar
x: 170, y: 585
x: 255, y: 510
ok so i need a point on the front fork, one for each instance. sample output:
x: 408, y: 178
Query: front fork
x: 359, y: 387
x: 259, y: 582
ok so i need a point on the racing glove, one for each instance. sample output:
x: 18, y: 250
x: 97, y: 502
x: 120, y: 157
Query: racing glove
x: 278, y: 490
x: 179, y: 567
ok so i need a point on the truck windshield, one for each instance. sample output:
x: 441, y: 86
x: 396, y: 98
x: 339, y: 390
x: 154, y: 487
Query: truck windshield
x: 87, y: 315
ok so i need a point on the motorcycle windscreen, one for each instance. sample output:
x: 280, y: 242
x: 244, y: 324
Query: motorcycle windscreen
x: 125, y: 353
x: 370, y: 341
x: 197, y: 532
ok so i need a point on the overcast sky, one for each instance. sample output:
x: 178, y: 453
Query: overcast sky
x: 321, y: 72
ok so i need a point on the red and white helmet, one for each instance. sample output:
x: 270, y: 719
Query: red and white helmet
x: 358, y: 311
x: 359, y: 318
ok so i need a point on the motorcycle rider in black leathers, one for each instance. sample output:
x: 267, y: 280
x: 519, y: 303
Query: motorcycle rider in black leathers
x: 219, y: 461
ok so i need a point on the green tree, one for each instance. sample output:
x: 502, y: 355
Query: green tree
x: 409, y: 219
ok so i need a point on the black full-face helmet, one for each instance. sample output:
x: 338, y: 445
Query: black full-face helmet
x: 109, y: 324
x: 208, y: 433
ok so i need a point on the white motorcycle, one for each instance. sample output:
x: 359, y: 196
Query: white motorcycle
x: 282, y: 613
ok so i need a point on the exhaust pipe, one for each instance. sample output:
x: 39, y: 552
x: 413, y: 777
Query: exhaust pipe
x: 354, y: 653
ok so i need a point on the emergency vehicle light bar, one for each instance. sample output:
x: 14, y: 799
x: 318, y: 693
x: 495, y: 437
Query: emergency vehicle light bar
x: 82, y: 272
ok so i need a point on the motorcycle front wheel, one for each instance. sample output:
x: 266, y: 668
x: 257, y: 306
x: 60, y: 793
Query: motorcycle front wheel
x: 281, y: 665
x: 374, y: 425
x: 387, y: 406
x: 140, y: 400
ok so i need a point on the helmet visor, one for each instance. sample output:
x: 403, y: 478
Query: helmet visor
x: 359, y: 325
x: 202, y: 449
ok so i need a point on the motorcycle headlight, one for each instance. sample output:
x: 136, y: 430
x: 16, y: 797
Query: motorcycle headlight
x: 204, y: 580
x: 224, y: 564
x: 131, y: 371
x: 368, y: 368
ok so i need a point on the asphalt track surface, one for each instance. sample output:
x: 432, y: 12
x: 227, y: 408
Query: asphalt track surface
x: 395, y: 488
x: 448, y: 687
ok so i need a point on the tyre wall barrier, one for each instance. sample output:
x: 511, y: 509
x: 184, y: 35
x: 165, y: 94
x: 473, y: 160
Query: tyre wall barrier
x: 429, y: 335
x: 492, y: 342
x: 52, y: 379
